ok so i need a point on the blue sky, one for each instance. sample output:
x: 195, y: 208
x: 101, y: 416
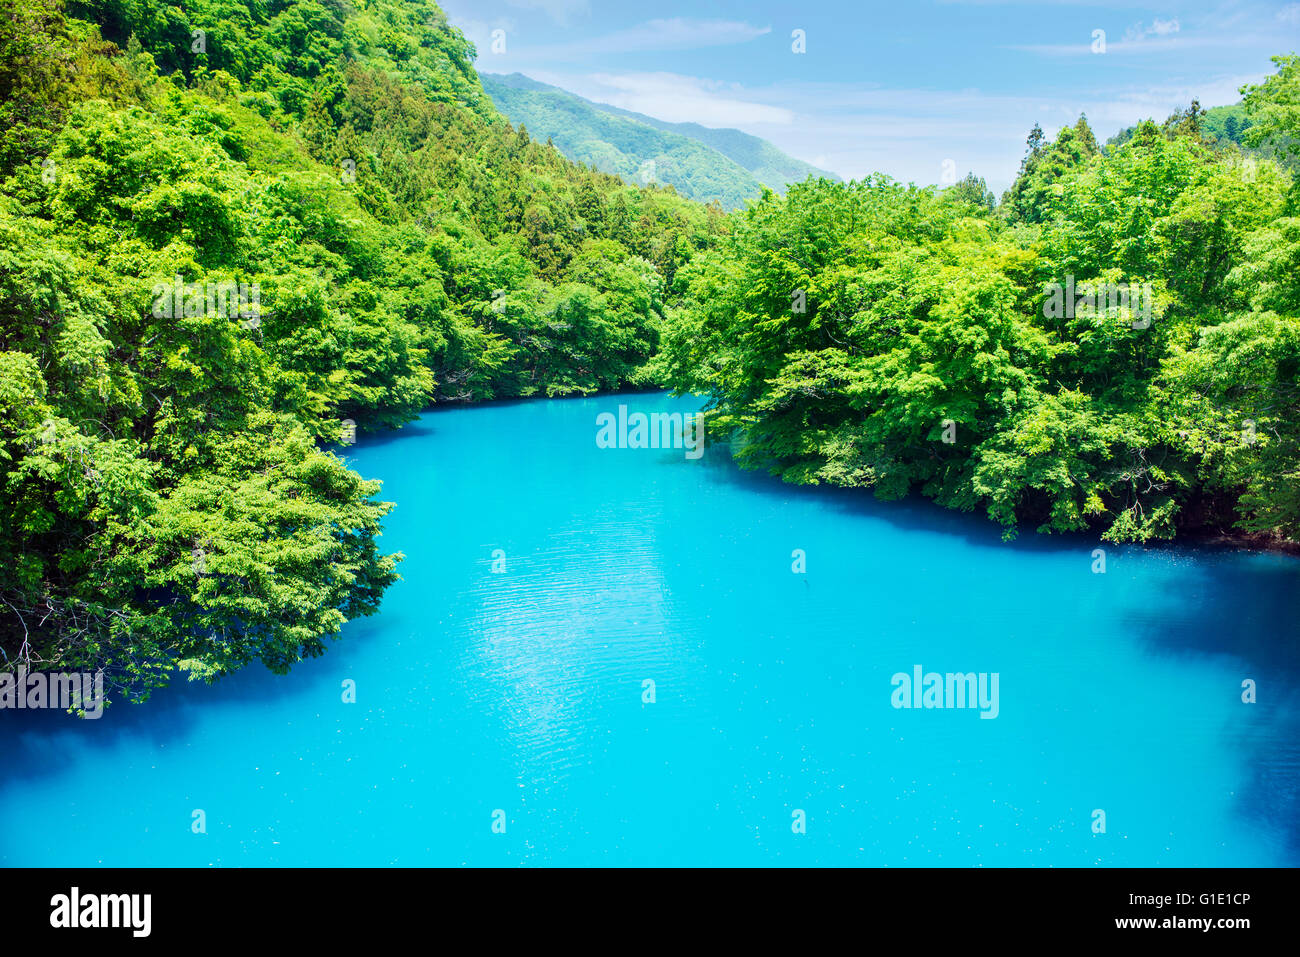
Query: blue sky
x: 894, y: 87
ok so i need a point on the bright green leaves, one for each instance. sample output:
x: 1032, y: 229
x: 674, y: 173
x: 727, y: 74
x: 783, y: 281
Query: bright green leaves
x: 871, y: 335
x: 1233, y: 403
x: 1274, y: 108
x: 859, y: 325
x: 1267, y: 276
x: 264, y: 557
x: 1035, y: 195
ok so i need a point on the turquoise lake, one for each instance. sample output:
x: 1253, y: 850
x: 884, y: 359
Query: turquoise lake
x: 520, y: 691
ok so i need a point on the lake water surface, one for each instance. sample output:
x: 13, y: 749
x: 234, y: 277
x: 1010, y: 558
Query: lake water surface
x: 522, y: 691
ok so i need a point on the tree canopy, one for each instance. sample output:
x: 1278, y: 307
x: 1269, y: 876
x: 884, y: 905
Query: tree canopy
x: 901, y: 338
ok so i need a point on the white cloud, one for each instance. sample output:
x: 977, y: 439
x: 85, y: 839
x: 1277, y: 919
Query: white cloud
x: 857, y: 129
x: 1159, y: 28
x: 672, y: 97
x: 1150, y: 44
x: 1290, y: 14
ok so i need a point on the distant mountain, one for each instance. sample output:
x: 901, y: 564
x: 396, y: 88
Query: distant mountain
x: 701, y: 163
x: 765, y: 162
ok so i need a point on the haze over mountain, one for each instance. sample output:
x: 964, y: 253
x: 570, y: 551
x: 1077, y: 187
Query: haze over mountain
x: 699, y: 162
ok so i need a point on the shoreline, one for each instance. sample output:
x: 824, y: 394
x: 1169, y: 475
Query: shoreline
x: 1237, y: 539
x: 1195, y: 536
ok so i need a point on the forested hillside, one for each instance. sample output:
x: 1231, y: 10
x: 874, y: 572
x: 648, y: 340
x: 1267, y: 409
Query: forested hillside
x: 1116, y: 347
x: 230, y: 234
x: 767, y: 164
x: 619, y: 145
x: 699, y: 162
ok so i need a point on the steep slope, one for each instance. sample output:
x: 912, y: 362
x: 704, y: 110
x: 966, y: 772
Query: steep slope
x: 699, y: 162
x: 765, y: 162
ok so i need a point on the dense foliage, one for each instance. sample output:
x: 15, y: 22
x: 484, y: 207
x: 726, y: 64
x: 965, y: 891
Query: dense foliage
x: 1224, y: 126
x: 232, y: 232
x: 887, y: 336
x: 169, y: 496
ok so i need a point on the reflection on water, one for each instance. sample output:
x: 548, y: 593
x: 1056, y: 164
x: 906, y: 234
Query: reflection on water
x: 524, y: 689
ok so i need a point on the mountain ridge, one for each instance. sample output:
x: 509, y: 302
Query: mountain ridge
x: 700, y: 162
